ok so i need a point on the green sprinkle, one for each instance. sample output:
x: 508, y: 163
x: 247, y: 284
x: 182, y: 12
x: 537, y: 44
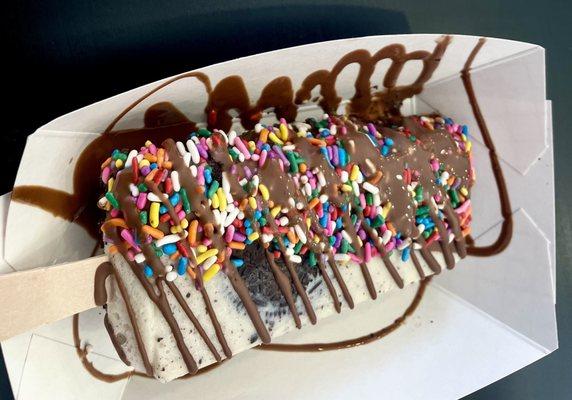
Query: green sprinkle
x: 412, y: 138
x: 233, y: 154
x: 262, y: 221
x: 186, y: 203
x: 204, y: 132
x: 368, y: 198
x: 212, y: 189
x: 332, y: 240
x: 112, y: 200
x: 354, y: 219
x: 426, y: 234
x: 312, y: 260
x: 377, y: 222
x: 143, y: 217
x: 293, y: 162
x: 297, y: 247
x: 454, y: 196
x: 419, y: 193
x: 423, y: 210
x: 344, y: 246
x: 142, y: 187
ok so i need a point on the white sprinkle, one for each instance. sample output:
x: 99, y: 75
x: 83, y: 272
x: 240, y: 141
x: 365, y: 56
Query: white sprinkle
x: 243, y: 182
x: 102, y: 202
x: 404, y: 244
x: 345, y: 176
x: 231, y: 216
x: 195, y: 156
x: 323, y: 198
x: 304, y: 179
x: 289, y: 251
x: 300, y: 233
x: 258, y: 128
x: 355, y: 187
x: 451, y: 237
x: 168, y: 268
x: 217, y: 217
x: 308, y: 188
x: 167, y: 239
x: 333, y: 129
x: 241, y: 157
x: 417, y: 246
x: 299, y: 205
x: 139, y: 258
x: 291, y: 202
x: 193, y: 169
x: 376, y: 199
x: 370, y: 188
x: 386, y: 237
x: 132, y: 154
x: 296, y: 259
x: 289, y: 147
x: 283, y: 220
x: 153, y: 197
x: 267, y: 238
x: 187, y: 158
x: 398, y: 177
x: 171, y: 276
x: 181, y: 148
x: 346, y: 236
x: 231, y: 137
x: 370, y: 165
x: 241, y: 215
x: 321, y: 178
x: 209, y: 140
x: 209, y: 262
x: 175, y: 181
x: 421, y: 228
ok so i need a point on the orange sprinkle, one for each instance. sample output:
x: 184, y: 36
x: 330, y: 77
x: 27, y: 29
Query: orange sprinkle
x: 191, y: 273
x: 114, y: 222
x: 317, y: 142
x: 167, y: 165
x: 466, y: 231
x: 106, y: 163
x: 270, y: 204
x: 209, y: 230
x: 174, y: 256
x: 302, y: 167
x: 199, y: 189
x: 160, y: 157
x: 243, y: 204
x: 450, y: 181
x: 193, y: 232
x: 391, y: 228
x: 376, y: 178
x: 150, y: 157
x: 151, y: 175
x: 264, y: 135
x: 153, y: 232
x: 313, y: 203
x: 292, y: 237
x: 236, y: 245
x: 112, y: 249
x: 221, y: 256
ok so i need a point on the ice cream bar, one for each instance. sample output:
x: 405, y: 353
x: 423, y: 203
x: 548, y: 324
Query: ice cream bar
x: 230, y: 240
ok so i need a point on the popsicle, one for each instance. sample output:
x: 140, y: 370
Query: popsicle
x: 231, y: 240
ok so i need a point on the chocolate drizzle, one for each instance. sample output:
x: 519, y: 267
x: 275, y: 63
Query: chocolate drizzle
x: 164, y: 123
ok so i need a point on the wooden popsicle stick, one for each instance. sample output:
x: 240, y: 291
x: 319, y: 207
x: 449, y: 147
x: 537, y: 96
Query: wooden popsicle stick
x: 32, y: 298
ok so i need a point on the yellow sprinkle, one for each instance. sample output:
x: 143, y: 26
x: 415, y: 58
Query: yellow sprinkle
x: 308, y: 222
x: 110, y: 183
x: 464, y: 191
x: 251, y: 146
x: 201, y: 248
x: 215, y: 202
x: 264, y: 135
x: 355, y: 173
x: 253, y: 236
x: 264, y: 191
x: 207, y: 254
x: 346, y: 188
x: 211, y: 272
x: 144, y: 163
x: 119, y: 163
x: 386, y: 208
x: 252, y: 203
x: 221, y: 199
x: 154, y: 214
x: 284, y: 132
x: 468, y: 146
x: 274, y: 212
x: 184, y: 223
x: 464, y: 137
x: 176, y: 229
x: 275, y: 138
x: 148, y: 143
x: 316, y: 239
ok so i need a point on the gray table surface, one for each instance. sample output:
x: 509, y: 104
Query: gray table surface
x: 46, y: 34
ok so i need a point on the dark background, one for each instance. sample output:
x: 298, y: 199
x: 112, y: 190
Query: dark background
x: 62, y: 55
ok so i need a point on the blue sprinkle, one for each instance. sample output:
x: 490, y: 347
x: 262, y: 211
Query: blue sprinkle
x: 324, y: 221
x: 257, y: 214
x: 342, y: 157
x: 448, y: 121
x: 153, y: 165
x: 174, y: 199
x: 325, y: 132
x: 286, y: 242
x: 148, y: 271
x: 388, y: 142
x: 169, y: 249
x: 248, y: 241
x: 238, y: 262
x: 384, y: 150
x: 405, y: 254
x: 324, y: 151
x: 208, y: 176
x: 162, y: 209
x: 249, y: 231
x: 465, y: 130
x: 182, y: 266
x: 339, y: 223
x: 247, y: 223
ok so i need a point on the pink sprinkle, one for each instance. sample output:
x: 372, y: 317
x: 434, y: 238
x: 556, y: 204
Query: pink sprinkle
x: 181, y: 214
x: 242, y: 148
x: 125, y: 234
x: 105, y: 174
x: 362, y: 202
x: 153, y: 149
x: 434, y: 164
x: 463, y: 207
x: 390, y: 246
x: 229, y: 233
x: 114, y: 213
x: 367, y: 252
x: 200, y: 175
x: 207, y: 242
x: 437, y: 198
x: 355, y: 258
x: 262, y: 158
x: 141, y: 201
x: 130, y: 255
